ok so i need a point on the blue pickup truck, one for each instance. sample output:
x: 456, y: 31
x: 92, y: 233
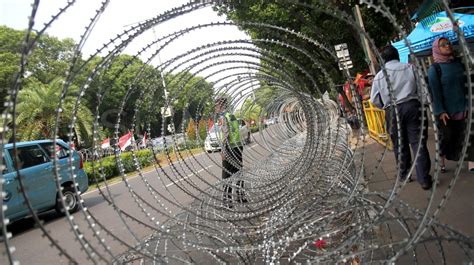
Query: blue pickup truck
x: 35, y: 166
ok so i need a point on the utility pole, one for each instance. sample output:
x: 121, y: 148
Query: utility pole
x: 365, y: 43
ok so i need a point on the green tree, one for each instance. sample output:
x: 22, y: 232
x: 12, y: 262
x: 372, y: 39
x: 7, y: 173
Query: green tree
x: 124, y: 78
x: 37, y: 108
x: 141, y: 84
x: 286, y: 14
x: 127, y: 79
x: 46, y: 68
x: 250, y: 110
x: 48, y: 60
x: 191, y: 93
x: 190, y: 96
x: 318, y: 20
x: 8, y: 68
x: 51, y: 58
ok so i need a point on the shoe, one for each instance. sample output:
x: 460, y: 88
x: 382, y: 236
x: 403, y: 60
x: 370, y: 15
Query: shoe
x: 426, y: 186
x: 409, y: 180
x: 443, y: 169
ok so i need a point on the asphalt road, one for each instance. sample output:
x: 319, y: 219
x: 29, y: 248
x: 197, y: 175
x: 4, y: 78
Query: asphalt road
x: 33, y: 248
x: 146, y: 201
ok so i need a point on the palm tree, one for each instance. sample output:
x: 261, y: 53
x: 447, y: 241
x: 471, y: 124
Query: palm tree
x: 37, y: 108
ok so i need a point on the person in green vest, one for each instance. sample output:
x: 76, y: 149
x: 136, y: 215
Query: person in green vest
x: 231, y: 150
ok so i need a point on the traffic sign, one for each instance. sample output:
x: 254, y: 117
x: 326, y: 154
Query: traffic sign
x: 167, y: 112
x: 342, y: 53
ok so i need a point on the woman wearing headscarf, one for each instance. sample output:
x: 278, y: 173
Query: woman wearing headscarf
x: 447, y: 83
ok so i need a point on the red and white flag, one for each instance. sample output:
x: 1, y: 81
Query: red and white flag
x: 105, y: 143
x: 144, y: 140
x: 125, y: 141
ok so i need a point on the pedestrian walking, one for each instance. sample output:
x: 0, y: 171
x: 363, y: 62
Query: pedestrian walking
x: 406, y: 102
x: 231, y: 150
x: 447, y: 83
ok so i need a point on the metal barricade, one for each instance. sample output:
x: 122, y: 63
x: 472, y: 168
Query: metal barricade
x: 375, y: 118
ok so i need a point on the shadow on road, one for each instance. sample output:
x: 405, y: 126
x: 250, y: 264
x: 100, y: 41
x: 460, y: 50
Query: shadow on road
x: 26, y: 224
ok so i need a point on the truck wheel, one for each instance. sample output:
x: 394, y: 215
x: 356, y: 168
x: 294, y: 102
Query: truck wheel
x: 71, y: 200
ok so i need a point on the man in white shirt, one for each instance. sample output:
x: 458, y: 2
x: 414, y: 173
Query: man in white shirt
x: 405, y: 97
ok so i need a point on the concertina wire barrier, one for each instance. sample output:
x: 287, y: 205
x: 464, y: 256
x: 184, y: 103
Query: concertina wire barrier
x: 306, y: 177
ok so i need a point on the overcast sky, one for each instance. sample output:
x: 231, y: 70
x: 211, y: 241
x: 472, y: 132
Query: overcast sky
x: 119, y: 15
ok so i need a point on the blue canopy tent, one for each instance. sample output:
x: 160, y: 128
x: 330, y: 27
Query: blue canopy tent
x: 422, y: 37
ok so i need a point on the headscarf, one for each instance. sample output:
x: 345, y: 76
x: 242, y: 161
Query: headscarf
x: 437, y: 56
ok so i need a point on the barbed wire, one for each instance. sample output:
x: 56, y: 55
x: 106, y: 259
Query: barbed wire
x: 307, y: 177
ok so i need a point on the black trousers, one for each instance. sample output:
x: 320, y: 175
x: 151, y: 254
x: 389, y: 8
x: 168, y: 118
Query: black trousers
x: 452, y: 138
x: 409, y: 134
x: 231, y: 164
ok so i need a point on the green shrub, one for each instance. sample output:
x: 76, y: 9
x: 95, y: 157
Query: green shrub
x: 110, y: 168
x: 127, y: 162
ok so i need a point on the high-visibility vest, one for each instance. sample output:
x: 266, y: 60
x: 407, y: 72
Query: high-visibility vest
x: 232, y: 125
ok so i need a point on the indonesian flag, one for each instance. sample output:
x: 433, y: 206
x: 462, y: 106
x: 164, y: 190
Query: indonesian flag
x: 105, y: 144
x: 144, y: 140
x: 125, y: 141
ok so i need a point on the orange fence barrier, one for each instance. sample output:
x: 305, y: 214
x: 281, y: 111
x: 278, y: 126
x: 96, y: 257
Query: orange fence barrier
x: 375, y: 118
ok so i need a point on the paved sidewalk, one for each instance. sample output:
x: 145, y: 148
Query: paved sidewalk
x: 457, y: 212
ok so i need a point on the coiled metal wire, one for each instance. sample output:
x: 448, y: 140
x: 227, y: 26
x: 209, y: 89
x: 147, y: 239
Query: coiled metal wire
x: 308, y: 178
